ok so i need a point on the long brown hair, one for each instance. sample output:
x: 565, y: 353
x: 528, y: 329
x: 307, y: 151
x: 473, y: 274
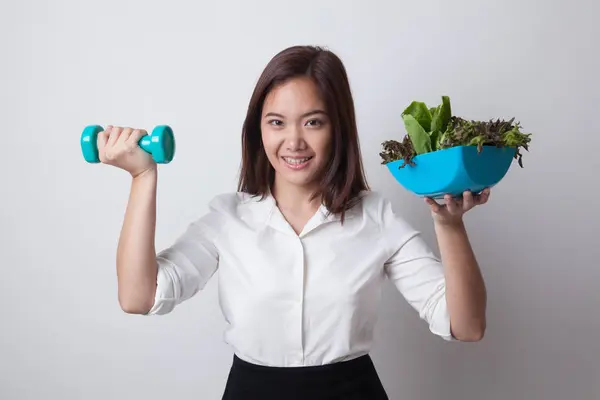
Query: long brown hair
x: 343, y: 177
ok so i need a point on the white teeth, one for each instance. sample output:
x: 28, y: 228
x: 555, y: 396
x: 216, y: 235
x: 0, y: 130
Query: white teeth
x: 296, y: 160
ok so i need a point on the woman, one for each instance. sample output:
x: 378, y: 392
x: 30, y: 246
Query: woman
x: 302, y: 247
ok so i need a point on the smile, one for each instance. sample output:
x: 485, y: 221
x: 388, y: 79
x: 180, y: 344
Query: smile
x: 296, y: 162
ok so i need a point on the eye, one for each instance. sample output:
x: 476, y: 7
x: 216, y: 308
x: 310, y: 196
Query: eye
x: 314, y: 122
x: 275, y: 122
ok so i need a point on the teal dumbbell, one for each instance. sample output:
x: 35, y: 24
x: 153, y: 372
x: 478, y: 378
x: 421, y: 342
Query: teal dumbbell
x: 160, y: 144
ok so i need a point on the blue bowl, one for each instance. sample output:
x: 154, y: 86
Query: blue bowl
x: 454, y: 170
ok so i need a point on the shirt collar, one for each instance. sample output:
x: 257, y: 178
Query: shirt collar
x: 265, y: 213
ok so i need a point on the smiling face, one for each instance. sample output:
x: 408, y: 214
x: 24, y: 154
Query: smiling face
x: 296, y: 133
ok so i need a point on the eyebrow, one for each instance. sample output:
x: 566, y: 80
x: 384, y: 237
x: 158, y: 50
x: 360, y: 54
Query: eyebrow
x: 313, y: 112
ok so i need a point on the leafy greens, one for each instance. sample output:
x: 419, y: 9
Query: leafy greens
x: 432, y: 129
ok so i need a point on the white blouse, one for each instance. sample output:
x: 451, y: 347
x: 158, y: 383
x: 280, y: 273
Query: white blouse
x: 308, y: 299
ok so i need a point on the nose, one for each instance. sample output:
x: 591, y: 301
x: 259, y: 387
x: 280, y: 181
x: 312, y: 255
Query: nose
x: 295, y: 140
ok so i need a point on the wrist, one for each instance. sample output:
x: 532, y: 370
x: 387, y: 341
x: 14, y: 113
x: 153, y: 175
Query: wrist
x: 149, y: 173
x: 453, y: 225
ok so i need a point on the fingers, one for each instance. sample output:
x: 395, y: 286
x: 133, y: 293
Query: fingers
x: 468, y: 201
x: 484, y: 196
x: 452, y: 204
x: 122, y: 139
x: 114, y: 140
x: 458, y: 206
x: 113, y: 136
x: 101, y: 141
x: 435, y: 206
x: 132, y: 141
x: 125, y: 134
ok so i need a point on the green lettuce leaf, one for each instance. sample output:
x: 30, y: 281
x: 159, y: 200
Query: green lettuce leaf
x: 419, y: 111
x: 418, y: 136
x: 442, y: 115
x: 434, y: 138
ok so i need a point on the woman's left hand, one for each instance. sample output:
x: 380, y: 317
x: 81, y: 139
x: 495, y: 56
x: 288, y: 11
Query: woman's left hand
x: 453, y: 209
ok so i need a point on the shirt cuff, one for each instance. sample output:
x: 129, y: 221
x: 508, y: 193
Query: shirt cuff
x: 165, y: 298
x: 436, y: 313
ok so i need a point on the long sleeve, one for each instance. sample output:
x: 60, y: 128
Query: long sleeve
x: 415, y: 271
x: 185, y: 267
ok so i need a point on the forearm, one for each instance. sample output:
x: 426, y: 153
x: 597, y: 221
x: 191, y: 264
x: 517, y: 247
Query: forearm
x: 465, y: 289
x: 136, y: 255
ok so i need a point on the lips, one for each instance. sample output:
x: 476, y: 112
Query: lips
x: 297, y: 162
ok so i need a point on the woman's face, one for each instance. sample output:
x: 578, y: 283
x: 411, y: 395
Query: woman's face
x: 296, y: 132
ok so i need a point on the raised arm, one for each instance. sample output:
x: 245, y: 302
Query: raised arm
x: 448, y: 293
x: 136, y: 256
x: 150, y: 283
x: 465, y: 288
x: 136, y: 264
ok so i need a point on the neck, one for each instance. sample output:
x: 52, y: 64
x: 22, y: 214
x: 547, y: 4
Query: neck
x: 295, y: 198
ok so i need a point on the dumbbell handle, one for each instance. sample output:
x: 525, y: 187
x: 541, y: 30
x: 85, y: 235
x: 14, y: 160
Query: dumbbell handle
x: 160, y: 144
x: 145, y: 143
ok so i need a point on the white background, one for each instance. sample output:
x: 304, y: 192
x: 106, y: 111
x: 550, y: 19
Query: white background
x: 193, y: 65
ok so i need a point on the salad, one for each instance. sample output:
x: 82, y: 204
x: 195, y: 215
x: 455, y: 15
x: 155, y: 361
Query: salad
x: 433, y: 129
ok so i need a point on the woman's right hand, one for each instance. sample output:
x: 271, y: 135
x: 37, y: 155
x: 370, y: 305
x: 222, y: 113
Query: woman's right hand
x: 119, y: 147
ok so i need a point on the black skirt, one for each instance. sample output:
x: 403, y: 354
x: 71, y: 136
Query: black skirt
x: 349, y: 380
